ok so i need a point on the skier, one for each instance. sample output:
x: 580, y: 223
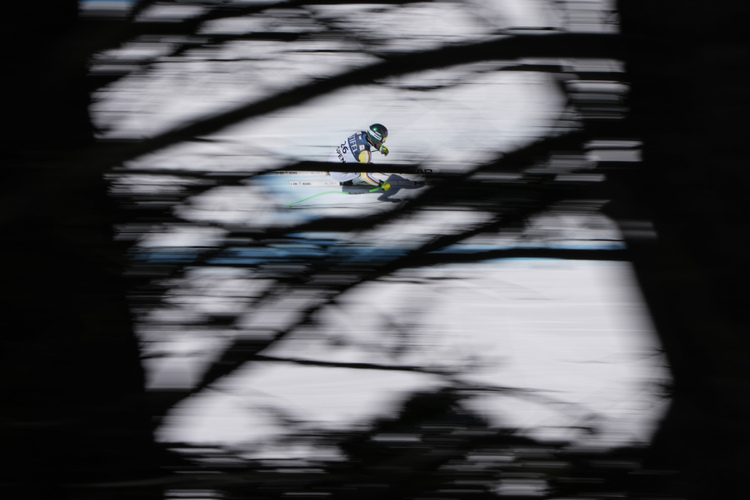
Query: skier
x: 357, y: 148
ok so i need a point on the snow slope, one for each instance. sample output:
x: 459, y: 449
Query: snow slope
x: 555, y: 344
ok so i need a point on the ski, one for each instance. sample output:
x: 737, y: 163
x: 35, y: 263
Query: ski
x: 321, y: 172
x: 298, y: 172
x: 403, y: 183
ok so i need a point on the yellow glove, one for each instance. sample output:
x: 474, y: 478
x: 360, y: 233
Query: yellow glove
x: 384, y: 150
x: 385, y: 186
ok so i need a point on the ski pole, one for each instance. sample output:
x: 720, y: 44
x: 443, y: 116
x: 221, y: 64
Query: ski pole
x: 329, y: 192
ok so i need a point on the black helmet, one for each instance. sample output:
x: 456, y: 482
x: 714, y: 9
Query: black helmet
x: 377, y: 133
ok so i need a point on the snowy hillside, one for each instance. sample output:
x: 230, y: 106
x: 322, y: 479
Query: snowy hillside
x: 543, y: 345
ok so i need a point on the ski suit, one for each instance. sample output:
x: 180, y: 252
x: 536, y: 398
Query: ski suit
x: 355, y: 149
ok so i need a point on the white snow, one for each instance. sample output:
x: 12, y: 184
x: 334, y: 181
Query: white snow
x: 555, y: 344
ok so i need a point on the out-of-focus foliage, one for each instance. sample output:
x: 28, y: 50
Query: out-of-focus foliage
x: 189, y: 100
x: 239, y: 287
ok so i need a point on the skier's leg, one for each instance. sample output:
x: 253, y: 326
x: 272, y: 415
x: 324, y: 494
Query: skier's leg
x: 343, y: 176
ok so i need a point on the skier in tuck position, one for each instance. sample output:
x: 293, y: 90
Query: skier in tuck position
x: 357, y: 148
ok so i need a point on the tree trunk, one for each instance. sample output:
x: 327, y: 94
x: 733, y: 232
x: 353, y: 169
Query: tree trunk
x: 689, y: 72
x: 71, y: 383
